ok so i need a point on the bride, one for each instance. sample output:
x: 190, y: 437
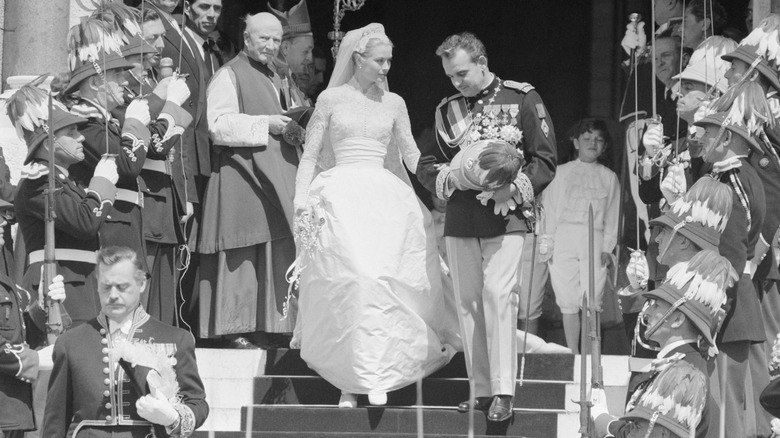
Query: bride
x: 371, y: 310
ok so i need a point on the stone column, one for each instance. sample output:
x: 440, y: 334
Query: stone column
x: 35, y: 37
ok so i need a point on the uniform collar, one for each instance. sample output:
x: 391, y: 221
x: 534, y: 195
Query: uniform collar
x: 667, y: 350
x: 138, y: 317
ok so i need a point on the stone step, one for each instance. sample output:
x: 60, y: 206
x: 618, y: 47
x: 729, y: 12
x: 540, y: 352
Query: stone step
x: 537, y: 366
x: 312, y: 390
x: 382, y: 420
x: 200, y: 434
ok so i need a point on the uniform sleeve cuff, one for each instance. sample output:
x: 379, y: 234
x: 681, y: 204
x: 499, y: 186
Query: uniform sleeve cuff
x: 525, y: 190
x: 441, y: 184
x: 103, y: 189
x: 135, y: 130
x: 179, y: 114
x: 186, y: 422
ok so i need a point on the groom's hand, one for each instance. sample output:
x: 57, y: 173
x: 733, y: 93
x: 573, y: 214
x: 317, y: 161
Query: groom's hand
x: 276, y: 123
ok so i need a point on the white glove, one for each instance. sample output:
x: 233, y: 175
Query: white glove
x: 45, y: 359
x: 156, y: 410
x: 106, y: 168
x: 546, y: 247
x: 598, y: 399
x: 139, y: 110
x: 674, y: 185
x: 57, y: 288
x: 178, y: 91
x: 634, y: 38
x: 503, y: 208
x: 637, y: 271
x: 653, y: 139
x: 161, y: 90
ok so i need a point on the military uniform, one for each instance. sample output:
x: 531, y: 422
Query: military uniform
x: 124, y: 224
x: 484, y: 248
x: 80, y: 214
x: 91, y: 395
x: 18, y: 362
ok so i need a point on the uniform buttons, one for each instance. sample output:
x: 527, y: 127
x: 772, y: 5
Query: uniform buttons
x: 105, y: 350
x: 106, y: 393
x: 108, y: 405
x: 107, y: 381
x: 108, y: 417
x: 105, y: 359
x: 106, y: 370
x: 103, y: 331
x: 104, y: 341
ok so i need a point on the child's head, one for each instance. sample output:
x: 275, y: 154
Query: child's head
x: 591, y: 139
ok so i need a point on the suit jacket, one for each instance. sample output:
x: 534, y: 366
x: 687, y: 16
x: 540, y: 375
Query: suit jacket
x: 465, y: 216
x: 18, y: 362
x: 90, y: 395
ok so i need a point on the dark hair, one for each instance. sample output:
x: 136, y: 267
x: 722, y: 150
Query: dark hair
x: 464, y: 40
x: 111, y: 255
x: 591, y: 124
x: 712, y: 9
x: 150, y: 14
x: 502, y: 161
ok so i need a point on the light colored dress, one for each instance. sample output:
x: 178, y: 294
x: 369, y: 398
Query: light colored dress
x: 371, y: 310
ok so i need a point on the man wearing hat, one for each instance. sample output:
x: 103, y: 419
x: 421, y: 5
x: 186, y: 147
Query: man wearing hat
x: 97, y: 73
x: 162, y: 178
x: 672, y: 406
x: 727, y: 144
x: 80, y: 211
x: 19, y: 364
x: 296, y: 51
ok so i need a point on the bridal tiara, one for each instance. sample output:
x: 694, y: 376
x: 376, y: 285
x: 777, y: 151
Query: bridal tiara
x: 372, y: 31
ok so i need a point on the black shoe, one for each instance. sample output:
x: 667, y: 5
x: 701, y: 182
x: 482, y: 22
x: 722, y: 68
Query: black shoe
x: 480, y: 404
x: 501, y: 409
x: 241, y: 343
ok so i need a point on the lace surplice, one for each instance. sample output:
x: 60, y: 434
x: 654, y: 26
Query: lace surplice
x: 345, y: 112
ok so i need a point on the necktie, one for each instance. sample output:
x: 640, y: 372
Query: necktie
x: 208, y: 56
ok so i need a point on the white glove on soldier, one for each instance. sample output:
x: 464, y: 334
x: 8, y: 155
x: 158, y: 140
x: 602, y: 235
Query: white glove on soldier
x: 674, y: 185
x: 139, y: 110
x: 653, y: 139
x: 634, y: 37
x: 637, y: 271
x: 178, y: 91
x: 106, y: 168
x: 45, y: 360
x: 598, y: 398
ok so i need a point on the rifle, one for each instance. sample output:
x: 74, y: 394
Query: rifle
x: 54, y: 326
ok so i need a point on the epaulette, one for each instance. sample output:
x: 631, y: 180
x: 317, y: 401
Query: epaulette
x: 34, y: 171
x: 447, y: 99
x: 523, y: 87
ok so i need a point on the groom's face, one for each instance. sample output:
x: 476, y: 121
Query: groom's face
x: 466, y: 75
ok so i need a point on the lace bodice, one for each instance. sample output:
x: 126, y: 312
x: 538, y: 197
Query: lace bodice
x: 350, y: 127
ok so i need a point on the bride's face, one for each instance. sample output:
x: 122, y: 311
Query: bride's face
x: 375, y: 63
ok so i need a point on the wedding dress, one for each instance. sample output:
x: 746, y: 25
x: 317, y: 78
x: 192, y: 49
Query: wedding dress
x: 372, y: 316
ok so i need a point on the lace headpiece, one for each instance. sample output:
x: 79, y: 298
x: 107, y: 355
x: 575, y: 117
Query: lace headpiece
x: 372, y: 31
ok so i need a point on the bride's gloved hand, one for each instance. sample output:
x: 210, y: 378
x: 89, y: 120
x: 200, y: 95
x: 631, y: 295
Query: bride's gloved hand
x: 276, y: 123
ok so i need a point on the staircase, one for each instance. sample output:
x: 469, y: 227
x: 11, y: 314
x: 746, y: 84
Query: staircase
x: 289, y: 400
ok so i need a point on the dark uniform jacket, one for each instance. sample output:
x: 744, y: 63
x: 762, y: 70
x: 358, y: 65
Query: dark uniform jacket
x: 80, y: 213
x: 129, y: 142
x: 91, y: 396
x: 18, y: 362
x: 737, y: 243
x: 465, y: 215
x: 710, y: 414
x: 768, y: 169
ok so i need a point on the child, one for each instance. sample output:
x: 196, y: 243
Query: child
x: 577, y: 185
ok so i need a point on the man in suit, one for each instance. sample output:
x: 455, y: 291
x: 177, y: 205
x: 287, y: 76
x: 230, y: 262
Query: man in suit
x: 101, y: 384
x: 485, y: 231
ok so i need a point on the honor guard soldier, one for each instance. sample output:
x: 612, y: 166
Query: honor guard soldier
x: 80, y: 211
x: 485, y: 231
x: 97, y: 73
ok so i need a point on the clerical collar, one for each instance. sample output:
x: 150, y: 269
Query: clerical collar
x: 264, y: 68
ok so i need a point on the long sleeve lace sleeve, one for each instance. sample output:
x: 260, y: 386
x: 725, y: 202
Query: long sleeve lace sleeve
x: 315, y: 135
x: 402, y: 136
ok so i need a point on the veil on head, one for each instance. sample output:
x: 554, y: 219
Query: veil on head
x: 355, y: 41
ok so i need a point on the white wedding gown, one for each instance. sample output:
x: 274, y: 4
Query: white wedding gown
x: 372, y: 316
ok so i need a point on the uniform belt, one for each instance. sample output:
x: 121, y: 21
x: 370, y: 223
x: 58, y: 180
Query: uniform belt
x: 65, y: 254
x: 130, y: 196
x: 157, y: 166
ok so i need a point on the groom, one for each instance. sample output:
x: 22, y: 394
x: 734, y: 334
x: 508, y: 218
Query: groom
x: 485, y: 236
